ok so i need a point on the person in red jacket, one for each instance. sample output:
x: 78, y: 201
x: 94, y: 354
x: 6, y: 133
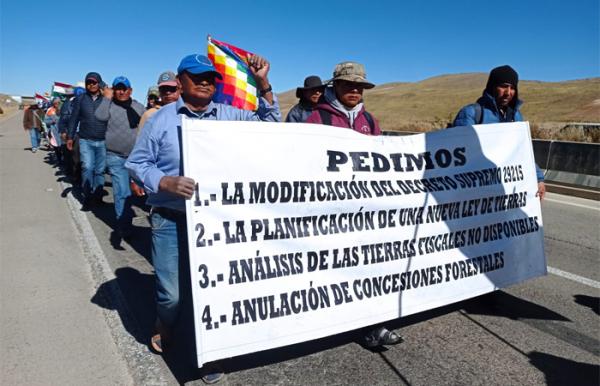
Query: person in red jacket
x: 342, y: 104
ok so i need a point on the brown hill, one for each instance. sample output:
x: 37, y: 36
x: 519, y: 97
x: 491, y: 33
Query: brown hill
x: 433, y: 102
x: 7, y: 105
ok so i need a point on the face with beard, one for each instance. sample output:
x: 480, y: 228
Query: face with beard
x: 505, y: 93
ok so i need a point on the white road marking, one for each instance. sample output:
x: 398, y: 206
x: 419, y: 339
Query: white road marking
x: 572, y: 204
x: 572, y: 276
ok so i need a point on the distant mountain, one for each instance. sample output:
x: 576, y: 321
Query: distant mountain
x: 7, y: 104
x: 433, y: 102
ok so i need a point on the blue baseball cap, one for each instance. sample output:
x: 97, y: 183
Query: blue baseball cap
x: 197, y: 64
x: 121, y: 80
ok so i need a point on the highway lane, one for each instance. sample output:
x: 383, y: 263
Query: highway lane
x: 544, y: 331
x: 572, y: 231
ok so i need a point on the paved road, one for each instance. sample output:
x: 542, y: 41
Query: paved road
x: 50, y: 333
x: 544, y: 331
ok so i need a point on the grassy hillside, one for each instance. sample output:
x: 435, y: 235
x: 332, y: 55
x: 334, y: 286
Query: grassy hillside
x: 7, y: 104
x: 433, y: 102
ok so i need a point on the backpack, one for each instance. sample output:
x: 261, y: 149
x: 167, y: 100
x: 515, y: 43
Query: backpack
x: 478, y: 115
x: 326, y: 118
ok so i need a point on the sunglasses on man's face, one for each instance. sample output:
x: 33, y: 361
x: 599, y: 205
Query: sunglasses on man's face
x: 90, y: 82
x: 167, y: 89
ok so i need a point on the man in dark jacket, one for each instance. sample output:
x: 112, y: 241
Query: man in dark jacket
x: 498, y: 103
x: 309, y: 96
x: 92, y: 132
x: 71, y: 158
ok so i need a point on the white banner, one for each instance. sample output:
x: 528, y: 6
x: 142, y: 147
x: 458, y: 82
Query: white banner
x: 301, y: 231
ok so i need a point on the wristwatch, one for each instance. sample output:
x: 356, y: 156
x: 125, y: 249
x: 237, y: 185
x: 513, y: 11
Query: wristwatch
x: 267, y: 90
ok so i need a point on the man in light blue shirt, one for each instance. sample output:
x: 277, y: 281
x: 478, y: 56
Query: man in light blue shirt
x: 155, y: 161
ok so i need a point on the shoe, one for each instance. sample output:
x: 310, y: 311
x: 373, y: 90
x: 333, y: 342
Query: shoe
x: 381, y: 336
x: 34, y: 150
x: 161, y: 338
x: 125, y: 233
x: 212, y: 376
x: 88, y: 204
x: 156, y: 343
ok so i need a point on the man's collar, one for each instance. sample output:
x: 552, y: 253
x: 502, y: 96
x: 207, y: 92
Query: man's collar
x: 182, y: 108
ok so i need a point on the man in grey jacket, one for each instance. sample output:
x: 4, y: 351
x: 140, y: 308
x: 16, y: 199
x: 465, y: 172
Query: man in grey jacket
x: 122, y: 116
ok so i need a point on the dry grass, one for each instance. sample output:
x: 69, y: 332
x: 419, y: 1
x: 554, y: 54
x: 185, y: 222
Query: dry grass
x: 8, y: 105
x: 432, y: 103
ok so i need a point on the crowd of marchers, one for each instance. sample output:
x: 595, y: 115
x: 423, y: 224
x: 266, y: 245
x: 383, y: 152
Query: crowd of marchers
x: 101, y: 129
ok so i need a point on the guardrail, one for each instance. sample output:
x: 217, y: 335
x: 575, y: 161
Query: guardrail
x: 575, y: 164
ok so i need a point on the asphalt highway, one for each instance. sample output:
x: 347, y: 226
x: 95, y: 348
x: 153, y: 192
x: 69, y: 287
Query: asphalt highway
x: 545, y: 331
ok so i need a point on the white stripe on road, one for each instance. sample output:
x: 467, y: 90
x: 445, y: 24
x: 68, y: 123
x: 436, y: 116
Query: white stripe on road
x: 573, y: 204
x: 572, y: 276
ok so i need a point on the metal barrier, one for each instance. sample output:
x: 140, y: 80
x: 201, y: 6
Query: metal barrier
x: 570, y: 163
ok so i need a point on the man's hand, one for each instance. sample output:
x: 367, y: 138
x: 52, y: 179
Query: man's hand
x: 259, y: 67
x: 180, y: 186
x: 541, y: 190
x: 137, y: 190
x: 70, y: 144
x: 107, y: 92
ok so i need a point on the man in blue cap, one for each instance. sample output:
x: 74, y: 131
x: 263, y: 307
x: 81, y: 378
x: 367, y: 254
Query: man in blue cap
x: 122, y: 116
x: 155, y: 161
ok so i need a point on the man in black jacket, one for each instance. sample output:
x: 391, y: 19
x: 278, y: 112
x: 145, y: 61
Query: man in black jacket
x: 92, y: 132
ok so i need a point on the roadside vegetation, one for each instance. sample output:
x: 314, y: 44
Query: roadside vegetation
x: 550, y: 107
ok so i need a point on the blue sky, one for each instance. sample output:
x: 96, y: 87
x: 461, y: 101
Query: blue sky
x: 398, y: 41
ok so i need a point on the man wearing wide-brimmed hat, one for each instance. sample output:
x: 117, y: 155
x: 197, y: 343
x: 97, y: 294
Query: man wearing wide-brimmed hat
x: 342, y: 105
x: 309, y: 96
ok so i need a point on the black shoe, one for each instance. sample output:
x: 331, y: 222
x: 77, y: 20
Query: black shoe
x: 212, y: 375
x: 88, y: 204
x: 115, y: 241
x: 381, y: 336
x: 125, y: 234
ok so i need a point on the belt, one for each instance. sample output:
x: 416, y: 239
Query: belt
x: 168, y: 213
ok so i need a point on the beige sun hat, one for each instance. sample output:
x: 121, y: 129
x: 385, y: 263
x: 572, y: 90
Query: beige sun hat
x: 351, y: 72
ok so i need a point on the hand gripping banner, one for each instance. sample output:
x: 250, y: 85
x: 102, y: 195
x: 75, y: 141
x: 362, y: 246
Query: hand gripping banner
x: 301, y: 231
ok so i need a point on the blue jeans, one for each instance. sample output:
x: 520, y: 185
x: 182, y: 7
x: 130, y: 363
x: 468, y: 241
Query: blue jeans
x: 93, y: 163
x: 34, y: 136
x: 169, y: 253
x: 121, y: 191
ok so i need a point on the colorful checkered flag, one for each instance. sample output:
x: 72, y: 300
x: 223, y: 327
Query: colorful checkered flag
x: 238, y: 87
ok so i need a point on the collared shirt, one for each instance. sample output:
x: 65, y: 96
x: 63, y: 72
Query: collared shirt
x: 157, y: 151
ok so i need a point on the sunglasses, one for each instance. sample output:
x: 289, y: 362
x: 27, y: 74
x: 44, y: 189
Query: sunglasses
x: 167, y: 89
x: 90, y: 82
